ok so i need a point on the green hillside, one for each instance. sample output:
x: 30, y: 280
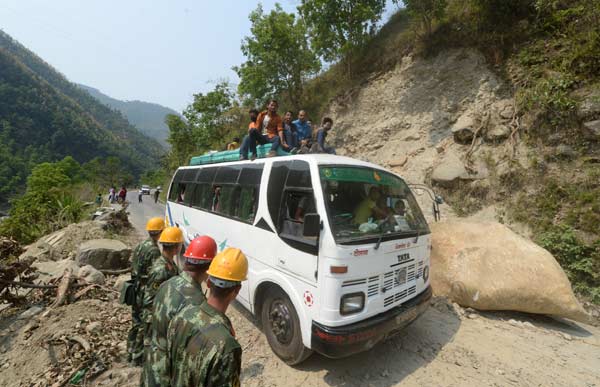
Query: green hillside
x: 44, y: 117
x: 147, y: 117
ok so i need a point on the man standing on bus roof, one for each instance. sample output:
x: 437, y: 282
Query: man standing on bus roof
x: 201, y: 344
x: 269, y: 129
x: 163, y: 268
x: 176, y: 293
x: 143, y: 256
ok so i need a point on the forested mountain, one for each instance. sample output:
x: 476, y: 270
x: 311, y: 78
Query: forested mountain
x: 44, y: 117
x: 147, y: 117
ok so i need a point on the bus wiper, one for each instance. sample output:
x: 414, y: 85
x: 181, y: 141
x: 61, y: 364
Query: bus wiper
x: 379, y: 240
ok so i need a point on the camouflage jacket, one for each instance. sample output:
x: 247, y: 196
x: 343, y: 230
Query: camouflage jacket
x: 160, y: 272
x: 201, y: 349
x: 143, y: 256
x: 171, y: 298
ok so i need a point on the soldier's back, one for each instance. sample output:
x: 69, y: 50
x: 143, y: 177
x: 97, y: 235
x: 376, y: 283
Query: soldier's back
x: 201, y: 348
x: 173, y: 295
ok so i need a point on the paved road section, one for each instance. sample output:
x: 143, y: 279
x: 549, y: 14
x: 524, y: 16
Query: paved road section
x: 139, y: 213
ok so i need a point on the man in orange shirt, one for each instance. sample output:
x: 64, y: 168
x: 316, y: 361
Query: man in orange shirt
x: 267, y: 129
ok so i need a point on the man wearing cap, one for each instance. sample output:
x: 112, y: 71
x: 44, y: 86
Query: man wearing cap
x: 143, y: 256
x: 201, y: 345
x: 173, y: 295
x: 171, y: 241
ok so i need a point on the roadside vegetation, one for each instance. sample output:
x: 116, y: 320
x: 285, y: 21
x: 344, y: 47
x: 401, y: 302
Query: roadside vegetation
x: 59, y: 194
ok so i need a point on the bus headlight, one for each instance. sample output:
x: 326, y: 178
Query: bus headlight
x: 352, y: 303
x: 426, y: 274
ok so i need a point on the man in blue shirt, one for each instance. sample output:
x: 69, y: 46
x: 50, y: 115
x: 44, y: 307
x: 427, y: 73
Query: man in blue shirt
x: 303, y: 128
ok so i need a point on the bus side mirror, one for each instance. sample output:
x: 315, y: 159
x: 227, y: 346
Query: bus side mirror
x: 312, y: 225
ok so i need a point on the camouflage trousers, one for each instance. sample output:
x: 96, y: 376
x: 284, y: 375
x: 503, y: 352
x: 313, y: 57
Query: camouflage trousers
x: 135, y: 338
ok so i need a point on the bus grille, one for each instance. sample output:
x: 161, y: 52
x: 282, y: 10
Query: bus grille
x: 390, y: 280
x: 394, y: 298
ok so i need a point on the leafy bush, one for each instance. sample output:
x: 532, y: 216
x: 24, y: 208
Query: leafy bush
x: 48, y: 203
x: 581, y: 262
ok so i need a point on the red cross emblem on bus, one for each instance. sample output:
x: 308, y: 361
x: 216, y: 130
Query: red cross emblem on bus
x: 308, y: 298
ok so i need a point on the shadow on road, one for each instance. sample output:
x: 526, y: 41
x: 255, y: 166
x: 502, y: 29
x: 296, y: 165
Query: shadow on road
x: 389, y: 362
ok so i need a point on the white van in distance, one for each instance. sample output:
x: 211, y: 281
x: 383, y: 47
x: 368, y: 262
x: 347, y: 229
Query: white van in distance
x: 338, y: 249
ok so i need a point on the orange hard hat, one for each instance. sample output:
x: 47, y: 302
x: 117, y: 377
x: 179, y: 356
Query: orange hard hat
x: 171, y: 235
x: 155, y: 224
x: 228, y: 268
x: 201, y: 250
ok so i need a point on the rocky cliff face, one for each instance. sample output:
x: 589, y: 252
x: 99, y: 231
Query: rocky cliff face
x: 443, y: 120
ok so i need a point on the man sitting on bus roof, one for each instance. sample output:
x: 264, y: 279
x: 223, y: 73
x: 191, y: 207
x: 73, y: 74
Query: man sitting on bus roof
x: 269, y: 129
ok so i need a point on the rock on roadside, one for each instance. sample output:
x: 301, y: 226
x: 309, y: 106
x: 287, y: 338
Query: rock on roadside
x: 120, y: 281
x: 90, y: 274
x: 486, y: 266
x: 49, y: 270
x: 104, y: 254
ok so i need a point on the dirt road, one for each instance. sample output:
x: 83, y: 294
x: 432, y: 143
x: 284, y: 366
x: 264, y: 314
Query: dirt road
x: 447, y: 346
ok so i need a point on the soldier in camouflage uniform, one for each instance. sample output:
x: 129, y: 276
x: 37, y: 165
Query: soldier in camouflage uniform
x: 178, y: 292
x: 143, y: 256
x: 171, y: 240
x: 201, y: 345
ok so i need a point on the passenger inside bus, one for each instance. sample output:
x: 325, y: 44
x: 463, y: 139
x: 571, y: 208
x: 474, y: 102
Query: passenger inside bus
x: 368, y: 208
x: 181, y: 194
x: 297, y: 205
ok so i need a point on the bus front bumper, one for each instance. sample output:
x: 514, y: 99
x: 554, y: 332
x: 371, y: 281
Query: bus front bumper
x: 336, y: 342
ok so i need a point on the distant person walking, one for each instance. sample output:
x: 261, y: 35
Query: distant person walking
x: 122, y: 194
x: 156, y: 193
x: 140, y: 194
x: 111, y: 195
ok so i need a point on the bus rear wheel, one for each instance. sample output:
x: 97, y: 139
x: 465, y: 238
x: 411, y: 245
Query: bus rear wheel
x: 282, y: 327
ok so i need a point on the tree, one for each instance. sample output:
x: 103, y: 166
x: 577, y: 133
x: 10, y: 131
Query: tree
x: 205, y: 115
x: 337, y: 27
x: 279, y: 58
x: 426, y: 11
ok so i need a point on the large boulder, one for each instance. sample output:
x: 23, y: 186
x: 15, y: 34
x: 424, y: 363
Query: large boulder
x: 104, y: 254
x: 48, y: 270
x: 486, y: 266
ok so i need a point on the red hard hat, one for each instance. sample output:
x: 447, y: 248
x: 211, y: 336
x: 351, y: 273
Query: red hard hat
x: 201, y: 250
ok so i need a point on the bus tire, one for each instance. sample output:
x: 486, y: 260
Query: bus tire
x: 282, y: 327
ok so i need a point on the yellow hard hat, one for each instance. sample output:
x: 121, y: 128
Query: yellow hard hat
x: 171, y: 235
x: 229, y: 265
x: 155, y: 224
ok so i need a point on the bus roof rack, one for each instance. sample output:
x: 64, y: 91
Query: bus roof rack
x: 232, y: 155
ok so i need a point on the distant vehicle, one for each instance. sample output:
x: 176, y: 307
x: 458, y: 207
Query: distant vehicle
x: 145, y: 190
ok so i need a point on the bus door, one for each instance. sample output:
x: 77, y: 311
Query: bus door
x: 290, y: 197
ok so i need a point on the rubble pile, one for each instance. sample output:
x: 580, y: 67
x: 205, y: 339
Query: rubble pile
x: 87, y: 350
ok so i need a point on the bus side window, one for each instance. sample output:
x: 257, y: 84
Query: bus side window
x: 175, y: 186
x: 200, y: 196
x: 247, y: 194
x: 248, y: 201
x: 298, y: 200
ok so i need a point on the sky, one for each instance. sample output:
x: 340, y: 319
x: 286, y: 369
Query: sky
x: 161, y: 51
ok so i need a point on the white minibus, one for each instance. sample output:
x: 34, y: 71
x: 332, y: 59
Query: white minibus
x: 338, y: 248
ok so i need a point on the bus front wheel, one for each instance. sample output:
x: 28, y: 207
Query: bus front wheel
x: 282, y: 327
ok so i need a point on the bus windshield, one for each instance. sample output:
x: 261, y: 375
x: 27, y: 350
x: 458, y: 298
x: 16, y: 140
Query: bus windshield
x: 364, y: 203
